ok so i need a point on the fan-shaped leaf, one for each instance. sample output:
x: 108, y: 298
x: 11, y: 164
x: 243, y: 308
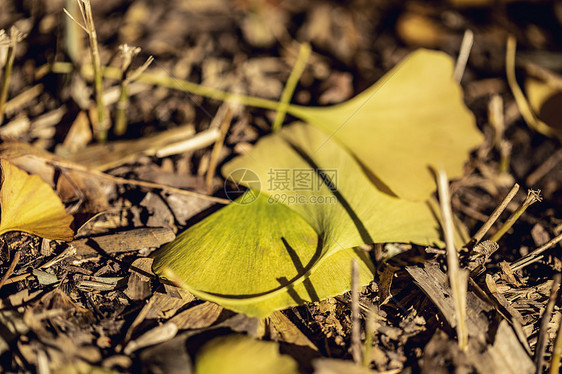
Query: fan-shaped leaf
x: 257, y: 258
x: 29, y: 204
x: 294, y: 244
x: 263, y: 256
x: 413, y: 118
x: 348, y: 210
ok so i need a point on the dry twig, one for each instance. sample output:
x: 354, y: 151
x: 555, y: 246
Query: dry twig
x: 532, y: 197
x: 464, y: 52
x: 493, y: 217
x: 85, y: 8
x: 545, y: 168
x: 457, y: 277
x: 11, y: 41
x: 535, y: 255
x: 543, y: 332
x: 355, y: 317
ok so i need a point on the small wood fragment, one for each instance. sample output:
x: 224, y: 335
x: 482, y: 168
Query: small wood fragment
x: 109, y: 155
x: 544, y: 168
x: 508, y: 356
x: 197, y: 317
x: 502, y: 302
x: 508, y: 275
x: 480, y: 254
x: 201, y: 140
x: 139, y: 286
x: 282, y: 329
x: 20, y: 101
x: 93, y: 283
x: 335, y: 366
x: 215, y: 153
x: 155, y: 336
x: 11, y: 268
x: 433, y: 282
x: 125, y: 241
x: 556, y: 352
x: 79, y: 135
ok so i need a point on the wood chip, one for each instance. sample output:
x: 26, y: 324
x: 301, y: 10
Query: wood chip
x: 125, y: 241
x: 157, y: 335
x: 506, y: 355
x: 282, y: 329
x: 139, y: 286
x: 198, y: 317
x: 503, y: 304
x: 112, y: 154
x: 433, y: 282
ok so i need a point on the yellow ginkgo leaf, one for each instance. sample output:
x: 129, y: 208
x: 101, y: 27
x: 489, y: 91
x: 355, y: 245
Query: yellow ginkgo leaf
x: 411, y: 119
x: 241, y: 354
x: 348, y: 209
x: 545, y: 101
x: 30, y: 205
x: 263, y: 253
x: 533, y: 108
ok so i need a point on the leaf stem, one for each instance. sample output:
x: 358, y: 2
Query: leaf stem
x: 174, y: 83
